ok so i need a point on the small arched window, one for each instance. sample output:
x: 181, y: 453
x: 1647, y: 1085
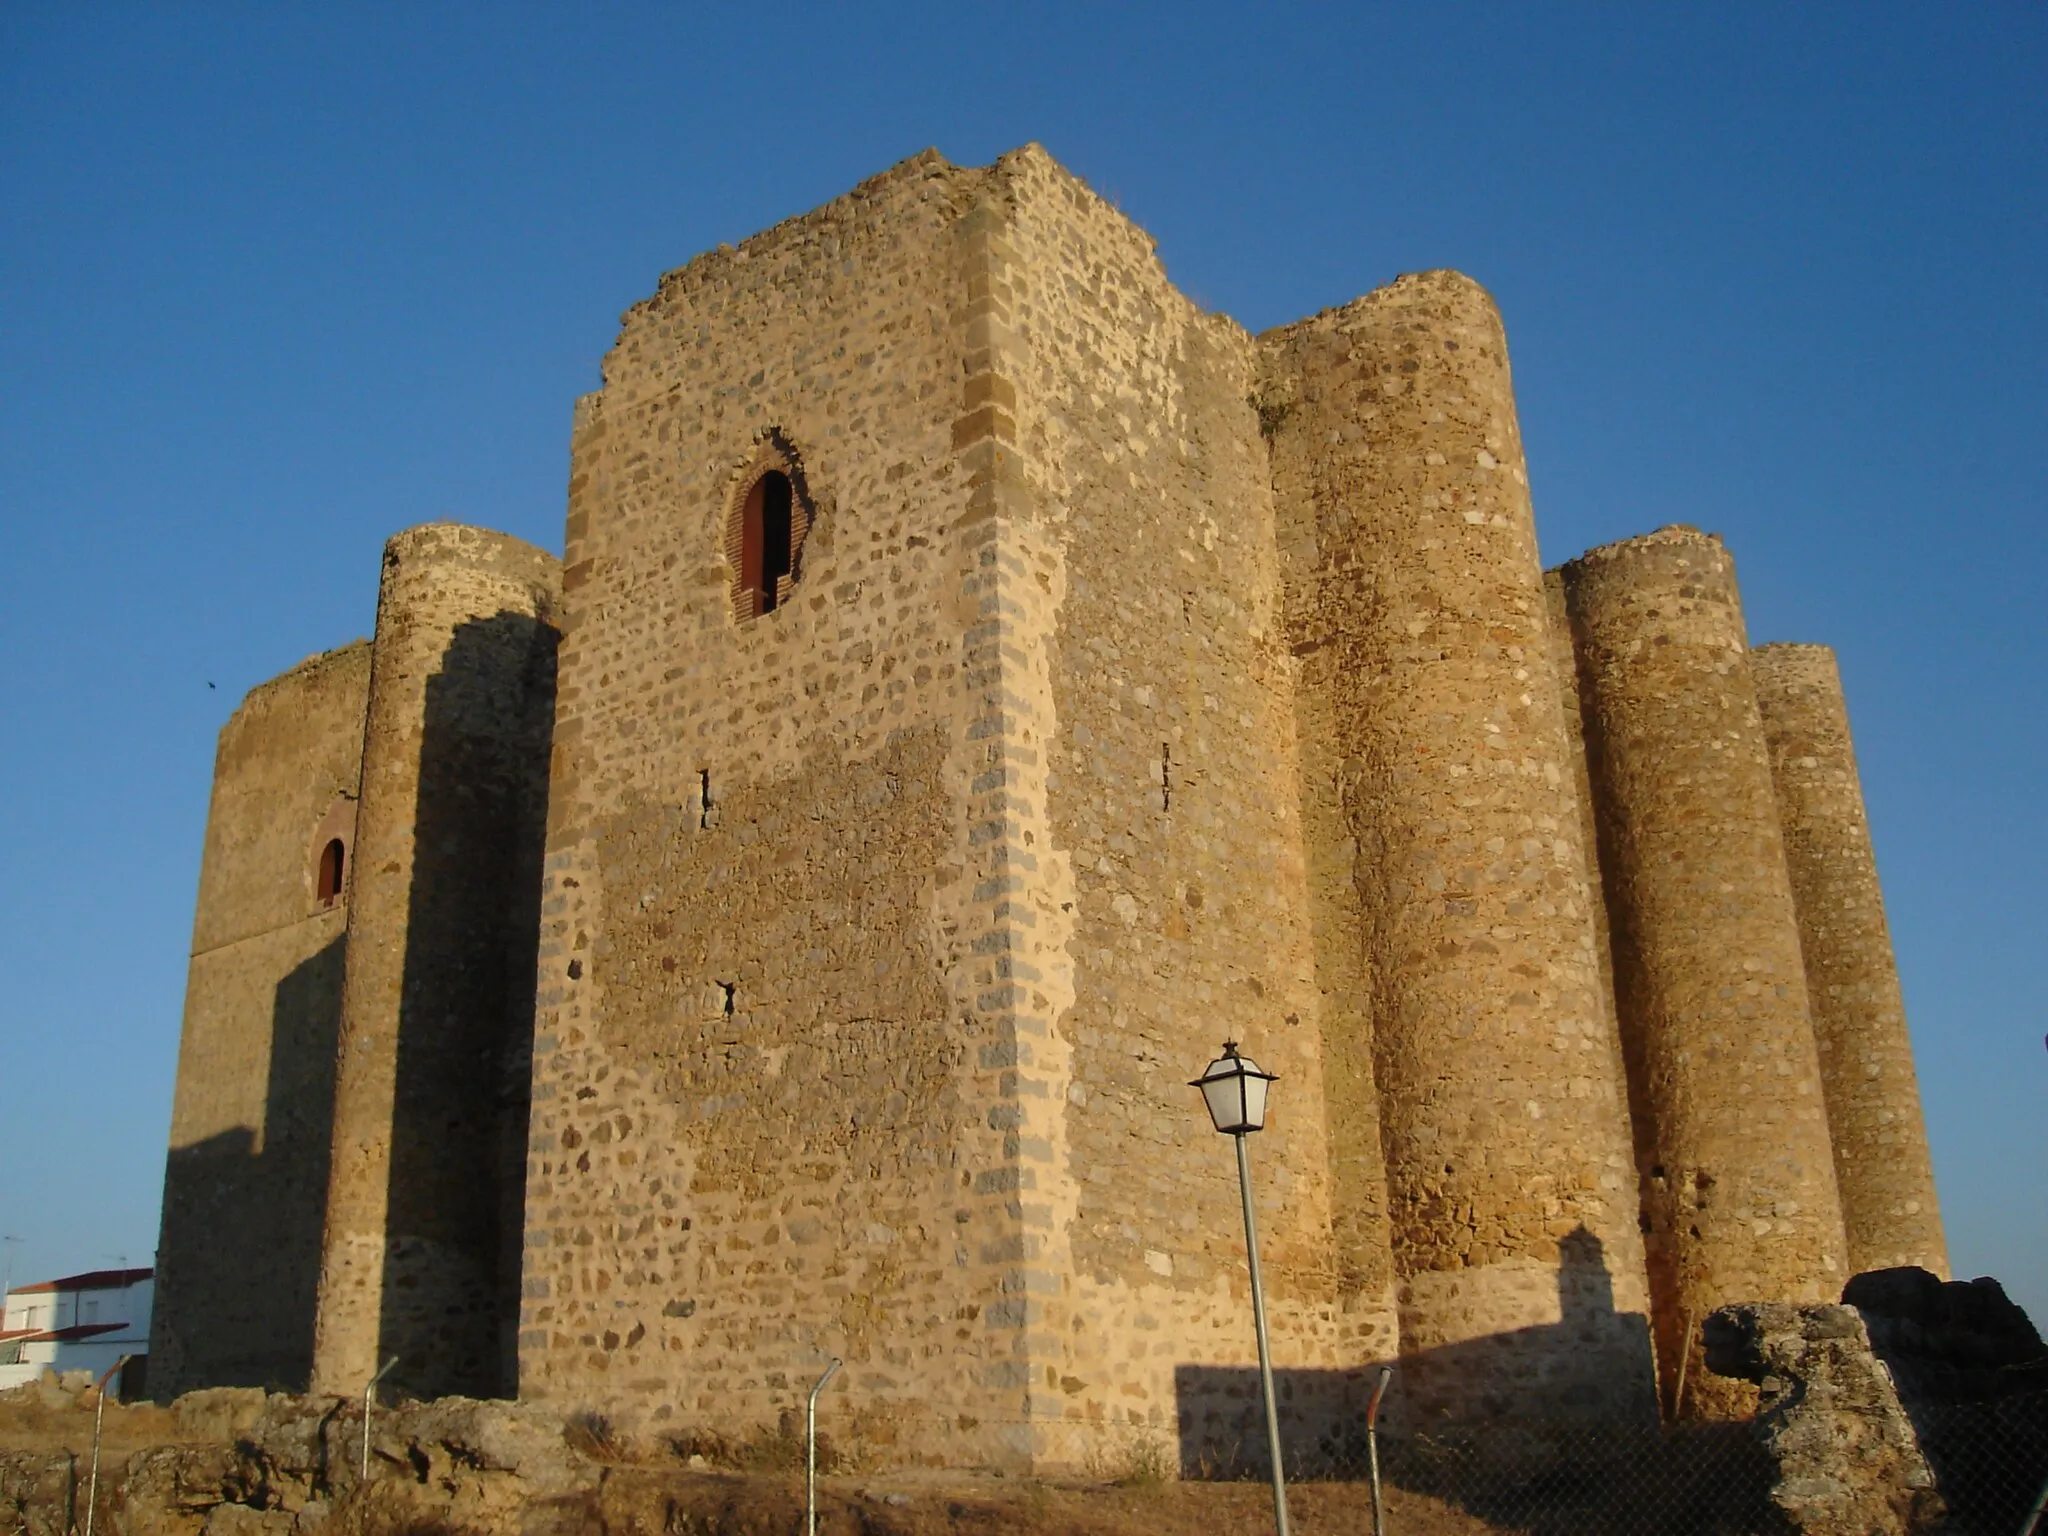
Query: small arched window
x: 764, y: 543
x: 327, y: 882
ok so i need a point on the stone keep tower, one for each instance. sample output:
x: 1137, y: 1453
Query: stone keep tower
x: 987, y: 682
x: 885, y: 924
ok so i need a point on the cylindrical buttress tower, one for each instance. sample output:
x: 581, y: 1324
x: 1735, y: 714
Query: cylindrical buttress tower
x: 1859, y: 1017
x: 1406, y: 518
x: 421, y: 1248
x: 1738, y: 1178
x: 1564, y: 662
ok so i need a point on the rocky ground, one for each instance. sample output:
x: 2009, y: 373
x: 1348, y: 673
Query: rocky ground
x: 240, y: 1463
x: 1832, y: 1453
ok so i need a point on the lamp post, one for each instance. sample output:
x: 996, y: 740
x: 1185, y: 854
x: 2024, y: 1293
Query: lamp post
x: 1235, y: 1090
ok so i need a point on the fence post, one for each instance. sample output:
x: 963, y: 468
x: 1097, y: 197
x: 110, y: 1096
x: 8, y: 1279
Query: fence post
x: 99, y: 1412
x: 369, y: 1397
x: 811, y: 1451
x: 1372, y: 1448
x: 1684, y: 1359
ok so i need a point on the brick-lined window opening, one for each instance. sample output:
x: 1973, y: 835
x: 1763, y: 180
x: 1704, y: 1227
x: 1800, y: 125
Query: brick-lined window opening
x: 327, y: 881
x: 764, y: 542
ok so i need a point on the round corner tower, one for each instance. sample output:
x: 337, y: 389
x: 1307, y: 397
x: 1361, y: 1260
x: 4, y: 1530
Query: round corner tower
x: 1738, y: 1181
x: 1859, y: 1016
x: 1423, y: 633
x: 420, y: 1254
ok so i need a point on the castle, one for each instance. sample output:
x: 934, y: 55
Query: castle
x: 977, y: 683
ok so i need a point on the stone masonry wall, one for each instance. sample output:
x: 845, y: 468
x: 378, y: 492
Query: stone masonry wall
x: 1564, y: 663
x: 770, y: 1109
x: 715, y: 992
x: 1882, y: 1166
x: 1169, y: 844
x: 931, y: 1135
x: 424, y: 1192
x: 1417, y: 609
x: 239, y: 1255
x: 1738, y: 1186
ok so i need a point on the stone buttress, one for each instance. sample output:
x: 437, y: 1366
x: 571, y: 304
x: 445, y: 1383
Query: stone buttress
x: 419, y: 1259
x: 1859, y: 1016
x: 1738, y: 1182
x: 1169, y: 792
x: 1417, y: 613
x: 238, y: 1262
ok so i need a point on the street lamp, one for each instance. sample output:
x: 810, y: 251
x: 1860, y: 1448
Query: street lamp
x: 1235, y: 1091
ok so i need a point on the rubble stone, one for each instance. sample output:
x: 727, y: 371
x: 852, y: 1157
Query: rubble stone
x: 1848, y: 1463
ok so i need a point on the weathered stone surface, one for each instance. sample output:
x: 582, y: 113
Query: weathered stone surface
x: 1439, y: 755
x: 419, y: 1255
x: 238, y: 1261
x: 987, y: 681
x: 1890, y: 1213
x: 1737, y: 1172
x: 246, y: 1464
x: 1949, y: 1341
x: 1848, y: 1463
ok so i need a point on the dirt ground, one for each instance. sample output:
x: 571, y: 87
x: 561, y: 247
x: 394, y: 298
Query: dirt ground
x: 640, y: 1503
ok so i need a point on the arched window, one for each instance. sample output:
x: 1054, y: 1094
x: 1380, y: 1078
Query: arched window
x: 764, y: 543
x: 327, y: 883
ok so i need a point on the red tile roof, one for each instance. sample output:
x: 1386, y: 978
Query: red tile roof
x: 91, y: 1280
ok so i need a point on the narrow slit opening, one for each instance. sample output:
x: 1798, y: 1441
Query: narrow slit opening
x: 327, y: 882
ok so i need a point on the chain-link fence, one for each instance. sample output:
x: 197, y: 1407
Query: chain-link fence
x: 1990, y: 1459
x: 1688, y: 1480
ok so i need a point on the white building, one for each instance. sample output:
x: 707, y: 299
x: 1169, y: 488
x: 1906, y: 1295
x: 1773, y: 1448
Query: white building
x: 79, y: 1323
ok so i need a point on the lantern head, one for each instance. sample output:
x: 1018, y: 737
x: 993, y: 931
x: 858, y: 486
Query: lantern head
x: 1235, y: 1090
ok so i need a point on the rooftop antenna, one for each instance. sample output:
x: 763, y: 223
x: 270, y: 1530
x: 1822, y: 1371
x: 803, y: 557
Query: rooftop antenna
x: 9, y: 1240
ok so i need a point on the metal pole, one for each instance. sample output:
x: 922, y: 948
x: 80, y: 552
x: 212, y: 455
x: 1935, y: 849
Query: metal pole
x: 2034, y: 1515
x: 369, y: 1396
x: 811, y: 1451
x: 1684, y: 1359
x: 1372, y: 1448
x: 92, y: 1488
x: 1251, y: 1248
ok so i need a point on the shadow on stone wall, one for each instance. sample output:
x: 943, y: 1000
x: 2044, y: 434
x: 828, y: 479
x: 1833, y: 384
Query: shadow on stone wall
x: 240, y: 1264
x: 1547, y: 1437
x: 465, y: 1027
x: 1592, y: 1366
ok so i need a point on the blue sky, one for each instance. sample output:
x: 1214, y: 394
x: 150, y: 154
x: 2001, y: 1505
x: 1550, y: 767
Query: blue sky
x: 276, y: 281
